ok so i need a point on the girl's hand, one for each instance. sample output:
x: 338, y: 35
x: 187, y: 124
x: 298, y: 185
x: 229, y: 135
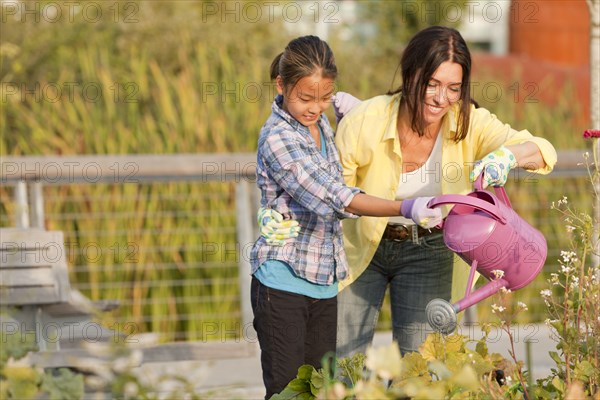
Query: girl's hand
x: 495, y: 167
x: 274, y: 229
x: 342, y: 104
x: 417, y: 210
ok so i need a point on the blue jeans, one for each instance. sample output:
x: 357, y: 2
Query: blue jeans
x: 415, y: 273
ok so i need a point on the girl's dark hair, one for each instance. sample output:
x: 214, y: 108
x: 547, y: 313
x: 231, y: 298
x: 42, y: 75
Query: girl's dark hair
x: 303, y: 57
x: 425, y: 52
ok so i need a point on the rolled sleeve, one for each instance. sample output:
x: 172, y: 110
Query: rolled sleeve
x: 492, y: 133
x: 546, y: 149
x: 314, y: 185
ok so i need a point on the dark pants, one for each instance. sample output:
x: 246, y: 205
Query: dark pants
x: 292, y: 330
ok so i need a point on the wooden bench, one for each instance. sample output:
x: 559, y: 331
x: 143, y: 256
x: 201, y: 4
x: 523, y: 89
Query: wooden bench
x: 36, y: 297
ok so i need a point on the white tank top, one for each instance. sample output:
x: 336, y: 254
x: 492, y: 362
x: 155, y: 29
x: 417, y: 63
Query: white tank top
x: 424, y: 181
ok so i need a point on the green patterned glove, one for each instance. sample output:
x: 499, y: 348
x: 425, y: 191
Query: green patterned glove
x: 495, y: 167
x: 274, y: 229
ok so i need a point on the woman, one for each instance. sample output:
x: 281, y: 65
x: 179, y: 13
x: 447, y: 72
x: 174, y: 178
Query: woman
x: 425, y: 138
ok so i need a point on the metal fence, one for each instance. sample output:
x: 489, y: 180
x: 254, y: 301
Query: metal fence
x: 169, y: 236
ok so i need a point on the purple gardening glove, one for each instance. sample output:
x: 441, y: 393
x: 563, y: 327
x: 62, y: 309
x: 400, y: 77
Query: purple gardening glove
x: 417, y: 210
x: 342, y: 104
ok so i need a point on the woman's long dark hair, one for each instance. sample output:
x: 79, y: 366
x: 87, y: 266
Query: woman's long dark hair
x: 425, y: 52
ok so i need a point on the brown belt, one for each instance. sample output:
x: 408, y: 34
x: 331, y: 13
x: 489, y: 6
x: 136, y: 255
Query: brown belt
x: 399, y: 232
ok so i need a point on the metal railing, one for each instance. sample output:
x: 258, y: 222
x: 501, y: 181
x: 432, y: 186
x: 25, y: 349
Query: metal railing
x: 189, y: 271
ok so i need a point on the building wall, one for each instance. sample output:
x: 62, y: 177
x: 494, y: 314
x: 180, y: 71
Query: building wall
x: 551, y: 30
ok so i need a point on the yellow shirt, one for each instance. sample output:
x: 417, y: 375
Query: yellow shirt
x: 371, y: 158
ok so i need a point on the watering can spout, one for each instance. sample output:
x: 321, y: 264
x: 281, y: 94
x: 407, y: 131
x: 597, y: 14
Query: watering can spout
x: 441, y: 315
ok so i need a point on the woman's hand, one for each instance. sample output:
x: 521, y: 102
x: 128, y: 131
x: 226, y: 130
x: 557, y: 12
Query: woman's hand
x: 274, y: 229
x: 495, y: 167
x: 342, y: 104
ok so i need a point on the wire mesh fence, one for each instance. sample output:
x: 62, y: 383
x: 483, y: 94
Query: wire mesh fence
x: 167, y: 244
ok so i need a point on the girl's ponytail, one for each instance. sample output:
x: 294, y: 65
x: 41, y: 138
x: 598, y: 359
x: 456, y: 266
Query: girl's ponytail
x: 275, y: 66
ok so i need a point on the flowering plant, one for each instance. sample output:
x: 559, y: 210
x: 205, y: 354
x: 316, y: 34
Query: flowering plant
x: 573, y: 298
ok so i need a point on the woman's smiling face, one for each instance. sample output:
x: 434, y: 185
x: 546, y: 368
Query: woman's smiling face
x: 443, y: 90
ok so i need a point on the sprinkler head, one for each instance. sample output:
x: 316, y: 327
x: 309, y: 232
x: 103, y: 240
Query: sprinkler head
x: 441, y: 316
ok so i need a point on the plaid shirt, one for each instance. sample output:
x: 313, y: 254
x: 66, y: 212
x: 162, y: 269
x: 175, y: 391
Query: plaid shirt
x: 296, y: 180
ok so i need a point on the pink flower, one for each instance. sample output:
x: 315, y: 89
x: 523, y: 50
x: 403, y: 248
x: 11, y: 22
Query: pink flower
x: 591, y: 133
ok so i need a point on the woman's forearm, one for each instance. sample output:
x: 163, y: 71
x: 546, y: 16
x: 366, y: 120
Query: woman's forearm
x: 528, y: 155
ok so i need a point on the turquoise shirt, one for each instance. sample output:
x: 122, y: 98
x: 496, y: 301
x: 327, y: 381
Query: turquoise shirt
x: 279, y: 275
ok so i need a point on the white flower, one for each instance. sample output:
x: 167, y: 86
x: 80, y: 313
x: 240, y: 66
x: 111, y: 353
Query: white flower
x: 498, y: 273
x: 549, y: 321
x: 130, y: 390
x: 546, y: 293
x: 568, y: 256
x: 570, y: 228
x: 504, y: 290
x: 522, y: 306
x: 564, y: 269
x: 574, y: 283
x: 497, y: 308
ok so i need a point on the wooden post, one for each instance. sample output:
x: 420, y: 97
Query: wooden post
x: 21, y: 205
x: 245, y: 238
x: 36, y: 205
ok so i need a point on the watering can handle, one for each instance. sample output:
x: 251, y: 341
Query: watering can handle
x: 474, y: 202
x: 499, y: 190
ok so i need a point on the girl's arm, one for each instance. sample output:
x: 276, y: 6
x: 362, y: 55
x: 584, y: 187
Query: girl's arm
x: 315, y: 187
x: 364, y: 204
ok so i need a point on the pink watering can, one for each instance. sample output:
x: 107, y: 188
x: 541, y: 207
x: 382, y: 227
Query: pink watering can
x: 485, y: 231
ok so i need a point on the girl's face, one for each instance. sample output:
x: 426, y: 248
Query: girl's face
x: 308, y: 99
x: 443, y: 90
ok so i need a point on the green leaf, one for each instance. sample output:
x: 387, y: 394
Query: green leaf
x: 296, y: 389
x: 15, y: 345
x: 584, y: 370
x: 559, y: 384
x: 414, y: 365
x: 317, y: 381
x: 305, y: 372
x: 482, y: 348
x: 20, y: 382
x: 64, y: 386
x: 554, y: 356
x: 466, y: 378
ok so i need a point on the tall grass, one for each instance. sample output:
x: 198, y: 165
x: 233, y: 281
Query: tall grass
x: 198, y: 90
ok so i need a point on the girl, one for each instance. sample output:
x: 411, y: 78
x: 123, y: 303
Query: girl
x: 294, y: 285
